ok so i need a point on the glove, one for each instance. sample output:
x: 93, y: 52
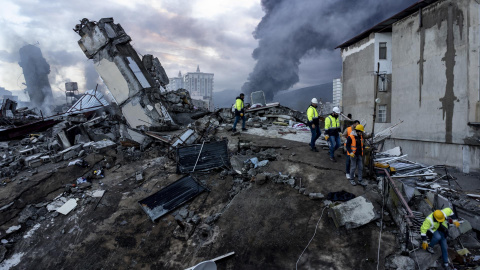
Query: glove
x: 326, y: 137
x: 424, y: 245
x: 241, y: 114
x: 456, y: 223
x: 352, y: 155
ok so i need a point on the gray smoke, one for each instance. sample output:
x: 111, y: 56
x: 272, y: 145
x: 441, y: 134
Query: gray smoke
x: 36, y: 70
x: 291, y: 29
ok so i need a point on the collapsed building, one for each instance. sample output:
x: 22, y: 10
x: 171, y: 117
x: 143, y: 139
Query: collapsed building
x: 152, y: 182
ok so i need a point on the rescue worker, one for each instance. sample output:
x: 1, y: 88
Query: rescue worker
x: 332, y: 130
x: 354, y: 147
x: 435, y: 227
x: 313, y: 123
x: 346, y: 134
x: 239, y: 112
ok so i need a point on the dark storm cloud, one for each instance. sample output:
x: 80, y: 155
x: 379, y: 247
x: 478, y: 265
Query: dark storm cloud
x: 290, y: 29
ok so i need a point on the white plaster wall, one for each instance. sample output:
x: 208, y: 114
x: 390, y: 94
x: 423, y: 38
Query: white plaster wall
x: 424, y: 120
x: 385, y: 64
x: 358, y: 80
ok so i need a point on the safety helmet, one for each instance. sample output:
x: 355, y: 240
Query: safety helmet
x: 314, y: 101
x: 439, y: 216
x: 360, y: 128
x: 336, y: 110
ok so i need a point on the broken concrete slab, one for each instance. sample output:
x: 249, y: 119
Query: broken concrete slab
x: 424, y: 259
x: 67, y: 207
x: 13, y: 229
x: 316, y: 196
x: 353, y: 213
x: 399, y: 262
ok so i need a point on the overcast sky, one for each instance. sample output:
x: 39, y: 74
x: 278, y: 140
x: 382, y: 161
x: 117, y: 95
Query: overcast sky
x: 215, y: 34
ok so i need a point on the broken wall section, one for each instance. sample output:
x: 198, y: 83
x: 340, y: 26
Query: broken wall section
x: 134, y: 83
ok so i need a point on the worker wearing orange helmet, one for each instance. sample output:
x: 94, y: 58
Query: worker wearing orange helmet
x: 435, y: 227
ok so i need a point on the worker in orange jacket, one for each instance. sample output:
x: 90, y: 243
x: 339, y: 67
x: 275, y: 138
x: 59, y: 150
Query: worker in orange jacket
x: 354, y: 147
x: 346, y: 134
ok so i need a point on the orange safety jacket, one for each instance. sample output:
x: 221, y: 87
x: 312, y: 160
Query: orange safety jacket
x: 349, y: 130
x: 354, y: 144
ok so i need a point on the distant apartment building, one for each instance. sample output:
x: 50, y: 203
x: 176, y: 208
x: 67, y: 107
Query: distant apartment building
x: 176, y: 83
x: 424, y: 64
x: 337, y: 92
x: 200, y: 86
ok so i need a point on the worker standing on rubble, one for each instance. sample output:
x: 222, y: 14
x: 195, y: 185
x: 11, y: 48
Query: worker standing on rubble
x: 314, y: 123
x: 354, y: 147
x: 239, y: 112
x: 332, y: 132
x: 346, y: 134
x: 435, y: 227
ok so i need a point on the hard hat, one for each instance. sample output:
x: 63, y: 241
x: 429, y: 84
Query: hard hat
x: 439, y: 216
x: 336, y: 110
x: 314, y: 100
x: 360, y: 127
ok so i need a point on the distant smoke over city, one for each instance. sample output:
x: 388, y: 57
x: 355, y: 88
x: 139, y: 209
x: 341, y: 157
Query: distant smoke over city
x: 36, y: 70
x: 291, y: 29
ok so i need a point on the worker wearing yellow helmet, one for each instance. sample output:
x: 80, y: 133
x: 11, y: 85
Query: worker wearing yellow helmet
x: 435, y: 227
x: 354, y: 147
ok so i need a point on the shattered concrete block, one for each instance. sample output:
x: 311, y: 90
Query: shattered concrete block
x: 465, y: 226
x: 139, y: 176
x: 67, y: 207
x: 470, y: 241
x: 291, y: 182
x: 399, y: 262
x: 35, y: 163
x: 211, y: 219
x: 100, y: 145
x: 353, y: 213
x: 316, y: 196
x: 261, y: 179
x: 426, y: 260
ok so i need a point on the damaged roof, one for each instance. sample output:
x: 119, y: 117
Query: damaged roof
x: 386, y: 25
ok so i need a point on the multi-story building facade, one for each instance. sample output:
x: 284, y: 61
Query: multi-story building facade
x: 426, y: 62
x: 337, y: 92
x: 200, y: 86
x: 176, y: 83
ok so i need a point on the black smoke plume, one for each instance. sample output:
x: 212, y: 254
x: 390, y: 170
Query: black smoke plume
x: 291, y: 29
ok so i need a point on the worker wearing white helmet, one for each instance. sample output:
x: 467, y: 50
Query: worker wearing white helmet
x: 313, y: 123
x: 332, y: 132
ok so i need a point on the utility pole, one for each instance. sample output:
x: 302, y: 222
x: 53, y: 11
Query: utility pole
x: 375, y: 100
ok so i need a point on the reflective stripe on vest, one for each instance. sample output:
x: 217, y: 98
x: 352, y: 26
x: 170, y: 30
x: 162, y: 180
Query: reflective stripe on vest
x: 315, y: 112
x: 332, y: 121
x: 354, y: 144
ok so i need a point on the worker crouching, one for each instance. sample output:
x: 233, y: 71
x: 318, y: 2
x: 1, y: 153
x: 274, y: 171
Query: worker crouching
x: 435, y: 227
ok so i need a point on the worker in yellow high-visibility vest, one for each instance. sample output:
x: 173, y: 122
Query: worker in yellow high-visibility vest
x: 239, y: 112
x: 313, y: 123
x: 332, y: 130
x: 435, y: 227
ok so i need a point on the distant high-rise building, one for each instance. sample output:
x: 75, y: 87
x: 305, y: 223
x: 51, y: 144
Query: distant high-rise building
x: 337, y: 92
x: 176, y: 82
x: 200, y: 86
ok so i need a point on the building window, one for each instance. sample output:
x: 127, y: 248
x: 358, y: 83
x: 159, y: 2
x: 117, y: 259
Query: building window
x: 382, y: 113
x: 383, y: 50
x: 382, y: 84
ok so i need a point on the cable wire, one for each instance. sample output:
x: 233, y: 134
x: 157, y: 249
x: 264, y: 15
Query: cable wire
x: 311, y: 238
x: 381, y: 224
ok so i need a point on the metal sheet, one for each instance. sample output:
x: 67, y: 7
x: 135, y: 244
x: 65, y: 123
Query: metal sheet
x: 213, y: 155
x: 171, y: 197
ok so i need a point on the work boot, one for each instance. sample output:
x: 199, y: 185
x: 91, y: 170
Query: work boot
x: 430, y: 250
x: 234, y: 130
x: 314, y: 149
x: 333, y: 159
x: 244, y: 129
x: 446, y: 266
x: 352, y: 182
x: 362, y: 183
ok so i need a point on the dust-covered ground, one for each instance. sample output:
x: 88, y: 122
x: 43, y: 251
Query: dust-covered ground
x: 266, y: 225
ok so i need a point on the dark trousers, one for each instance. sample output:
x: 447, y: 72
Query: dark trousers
x: 347, y: 165
x: 315, y: 135
x: 237, y: 117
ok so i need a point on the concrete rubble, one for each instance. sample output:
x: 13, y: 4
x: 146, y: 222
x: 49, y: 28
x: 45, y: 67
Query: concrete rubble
x: 80, y: 179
